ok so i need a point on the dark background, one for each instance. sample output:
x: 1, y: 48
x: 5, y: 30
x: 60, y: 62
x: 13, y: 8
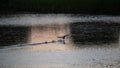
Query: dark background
x: 12, y: 35
x: 61, y: 6
x: 95, y: 32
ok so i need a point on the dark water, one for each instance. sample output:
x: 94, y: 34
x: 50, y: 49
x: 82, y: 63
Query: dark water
x: 31, y: 40
x: 10, y: 35
x: 94, y: 32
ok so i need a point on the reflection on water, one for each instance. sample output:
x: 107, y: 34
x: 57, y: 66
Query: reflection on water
x: 49, y: 33
x: 86, y: 35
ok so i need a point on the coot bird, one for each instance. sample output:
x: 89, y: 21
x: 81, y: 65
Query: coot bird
x: 62, y: 39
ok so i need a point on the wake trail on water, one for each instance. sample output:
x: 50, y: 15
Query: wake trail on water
x: 33, y: 44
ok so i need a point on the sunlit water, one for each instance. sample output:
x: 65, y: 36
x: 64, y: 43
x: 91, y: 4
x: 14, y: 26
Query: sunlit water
x: 40, y: 28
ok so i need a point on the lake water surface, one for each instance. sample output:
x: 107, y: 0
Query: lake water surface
x: 32, y: 41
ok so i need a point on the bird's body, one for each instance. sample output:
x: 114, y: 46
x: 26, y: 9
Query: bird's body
x: 63, y: 36
x: 62, y: 39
